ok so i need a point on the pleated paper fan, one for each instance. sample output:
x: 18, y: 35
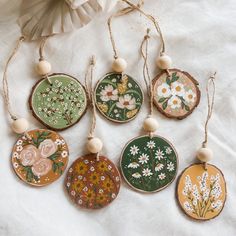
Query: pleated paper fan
x: 40, y: 18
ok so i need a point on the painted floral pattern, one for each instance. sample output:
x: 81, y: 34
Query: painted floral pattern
x: 42, y: 159
x: 92, y: 183
x: 202, y: 192
x: 149, y: 164
x: 61, y: 104
x: 176, y: 95
x: 118, y: 98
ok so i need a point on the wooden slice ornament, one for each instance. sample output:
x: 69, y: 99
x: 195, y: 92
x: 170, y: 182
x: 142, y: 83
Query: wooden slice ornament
x: 201, y: 188
x: 58, y: 100
x: 92, y: 184
x: 40, y: 156
x: 92, y: 181
x: 118, y: 97
x: 176, y: 93
x: 149, y: 163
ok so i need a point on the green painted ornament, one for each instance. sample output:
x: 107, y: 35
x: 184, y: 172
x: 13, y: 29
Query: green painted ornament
x: 58, y: 101
x: 118, y: 97
x: 149, y: 164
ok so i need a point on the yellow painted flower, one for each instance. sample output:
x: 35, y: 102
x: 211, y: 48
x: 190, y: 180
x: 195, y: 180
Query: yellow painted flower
x: 81, y: 168
x: 77, y: 186
x: 101, y: 198
x: 122, y: 87
x: 94, y: 178
x: 132, y: 113
x: 108, y: 185
x: 103, y: 107
x: 90, y: 195
x: 102, y: 166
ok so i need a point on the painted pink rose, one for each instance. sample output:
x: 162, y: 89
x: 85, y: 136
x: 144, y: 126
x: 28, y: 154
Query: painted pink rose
x: 47, y: 148
x: 29, y: 155
x: 42, y: 167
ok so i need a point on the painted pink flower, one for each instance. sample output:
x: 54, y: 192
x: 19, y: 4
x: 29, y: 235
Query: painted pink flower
x: 47, y: 148
x: 29, y: 155
x: 42, y: 167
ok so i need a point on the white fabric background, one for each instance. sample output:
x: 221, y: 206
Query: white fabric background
x: 201, y: 38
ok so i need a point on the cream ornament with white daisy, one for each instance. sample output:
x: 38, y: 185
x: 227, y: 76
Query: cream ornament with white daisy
x: 93, y: 181
x: 40, y: 156
x: 201, y: 189
x: 149, y: 163
x: 118, y: 96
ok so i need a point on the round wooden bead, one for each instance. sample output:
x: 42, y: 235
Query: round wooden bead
x: 20, y: 125
x: 150, y: 124
x: 94, y: 145
x: 43, y: 67
x: 119, y: 65
x: 164, y: 62
x: 204, y: 154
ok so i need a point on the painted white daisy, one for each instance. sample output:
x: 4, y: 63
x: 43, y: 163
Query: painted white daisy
x: 127, y: 102
x: 190, y: 96
x: 15, y: 155
x: 92, y: 168
x: 102, y: 178
x: 177, y: 89
x: 159, y: 167
x: 164, y: 90
x: 73, y: 193
x: 162, y: 176
x: 19, y: 142
x: 117, y: 178
x: 113, y: 195
x: 80, y: 201
x: 19, y: 148
x: 109, y: 93
x: 64, y: 154
x: 151, y: 144
x: 168, y: 150
x: 143, y: 158
x: 159, y: 154
x: 68, y: 184
x: 16, y: 165
x: 133, y: 165
x: 80, y: 177
x: 174, y: 102
x: 147, y: 172
x: 136, y: 175
x: 100, y: 190
x: 85, y: 189
x: 134, y: 150
x: 170, y: 166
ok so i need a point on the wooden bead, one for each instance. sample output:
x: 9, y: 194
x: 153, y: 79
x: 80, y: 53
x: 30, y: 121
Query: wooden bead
x: 20, y: 125
x: 150, y: 124
x: 164, y: 62
x: 119, y: 65
x: 94, y: 145
x: 43, y: 67
x: 204, y: 154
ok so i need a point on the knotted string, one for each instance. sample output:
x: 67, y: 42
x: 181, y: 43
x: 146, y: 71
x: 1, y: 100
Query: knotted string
x: 6, y: 94
x: 154, y: 21
x: 121, y: 12
x: 210, y: 90
x: 41, y: 54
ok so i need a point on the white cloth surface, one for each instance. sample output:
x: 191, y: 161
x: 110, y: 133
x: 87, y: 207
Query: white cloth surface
x: 201, y: 38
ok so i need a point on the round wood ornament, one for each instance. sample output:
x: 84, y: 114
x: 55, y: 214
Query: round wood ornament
x: 149, y: 164
x: 118, y: 97
x: 92, y: 183
x: 176, y: 94
x: 201, y: 192
x: 59, y: 104
x: 40, y: 159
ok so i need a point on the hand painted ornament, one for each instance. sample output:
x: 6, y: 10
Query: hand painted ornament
x: 149, y: 163
x: 118, y: 96
x: 57, y: 100
x: 39, y: 156
x: 201, y: 189
x: 176, y: 92
x: 92, y: 181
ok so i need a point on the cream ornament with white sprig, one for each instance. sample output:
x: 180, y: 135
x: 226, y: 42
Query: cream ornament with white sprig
x: 118, y: 96
x: 149, y: 163
x: 201, y: 189
x: 92, y: 181
x: 39, y: 156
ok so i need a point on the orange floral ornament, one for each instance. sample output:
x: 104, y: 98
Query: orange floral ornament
x: 91, y: 183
